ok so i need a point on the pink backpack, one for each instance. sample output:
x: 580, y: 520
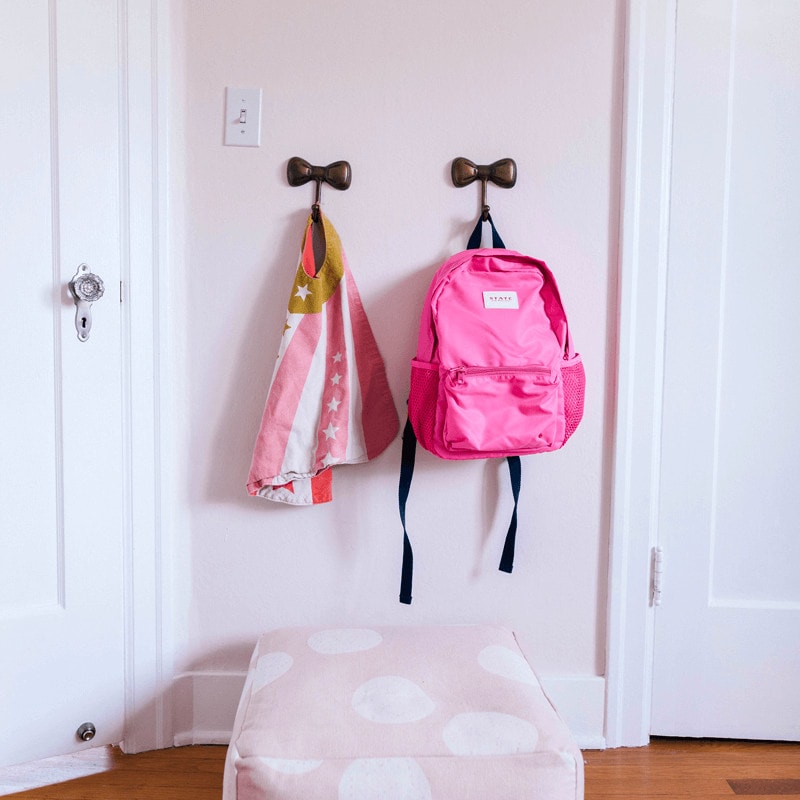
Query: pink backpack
x: 496, y: 373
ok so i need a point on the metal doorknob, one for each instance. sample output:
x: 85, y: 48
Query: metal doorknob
x: 86, y: 288
x: 86, y: 732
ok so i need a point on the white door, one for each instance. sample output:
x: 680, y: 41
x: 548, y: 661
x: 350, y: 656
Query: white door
x: 727, y: 644
x: 61, y: 511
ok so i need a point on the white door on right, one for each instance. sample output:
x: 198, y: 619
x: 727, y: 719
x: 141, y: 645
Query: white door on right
x: 727, y: 646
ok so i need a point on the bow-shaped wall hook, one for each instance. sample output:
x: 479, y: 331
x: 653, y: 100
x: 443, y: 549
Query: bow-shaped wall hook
x: 337, y: 174
x: 502, y: 173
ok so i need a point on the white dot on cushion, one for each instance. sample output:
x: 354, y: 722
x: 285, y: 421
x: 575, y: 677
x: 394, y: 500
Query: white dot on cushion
x: 291, y: 766
x: 344, y: 640
x: 489, y: 733
x: 392, y: 699
x: 503, y: 661
x: 270, y: 667
x: 397, y: 778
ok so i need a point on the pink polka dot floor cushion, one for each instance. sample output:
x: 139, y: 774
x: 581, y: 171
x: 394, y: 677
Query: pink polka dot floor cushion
x: 403, y: 713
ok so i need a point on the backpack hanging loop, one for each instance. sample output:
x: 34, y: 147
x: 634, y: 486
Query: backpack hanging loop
x: 337, y: 174
x: 502, y: 173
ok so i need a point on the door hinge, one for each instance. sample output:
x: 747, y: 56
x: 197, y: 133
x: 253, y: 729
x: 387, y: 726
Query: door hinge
x: 120, y: 291
x: 657, y: 575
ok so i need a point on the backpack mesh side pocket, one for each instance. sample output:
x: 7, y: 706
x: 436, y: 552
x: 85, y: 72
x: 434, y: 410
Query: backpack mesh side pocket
x: 573, y: 379
x: 422, y: 400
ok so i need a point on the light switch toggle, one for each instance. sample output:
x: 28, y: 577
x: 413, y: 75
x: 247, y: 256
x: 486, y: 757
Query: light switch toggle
x: 243, y: 117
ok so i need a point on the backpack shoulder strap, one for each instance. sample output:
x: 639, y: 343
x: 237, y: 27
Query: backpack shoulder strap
x: 515, y: 473
x: 406, y: 473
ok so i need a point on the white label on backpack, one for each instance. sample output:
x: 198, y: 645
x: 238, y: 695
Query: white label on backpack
x: 500, y: 300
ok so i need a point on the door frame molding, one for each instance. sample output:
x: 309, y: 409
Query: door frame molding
x: 143, y: 40
x: 647, y: 166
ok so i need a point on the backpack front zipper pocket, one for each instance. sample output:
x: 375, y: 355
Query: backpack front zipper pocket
x: 503, y: 409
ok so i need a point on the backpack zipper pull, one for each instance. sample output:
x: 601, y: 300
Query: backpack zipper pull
x: 457, y: 374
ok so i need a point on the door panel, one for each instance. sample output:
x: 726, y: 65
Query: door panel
x: 727, y: 647
x: 61, y: 573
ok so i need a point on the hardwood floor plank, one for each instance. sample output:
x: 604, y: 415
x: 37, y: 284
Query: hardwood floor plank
x: 774, y: 786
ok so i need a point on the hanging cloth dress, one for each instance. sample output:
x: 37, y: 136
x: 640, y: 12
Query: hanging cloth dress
x: 329, y: 401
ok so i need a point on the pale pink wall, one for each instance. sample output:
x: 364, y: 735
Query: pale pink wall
x: 398, y: 89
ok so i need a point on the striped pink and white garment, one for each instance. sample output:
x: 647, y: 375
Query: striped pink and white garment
x: 329, y: 401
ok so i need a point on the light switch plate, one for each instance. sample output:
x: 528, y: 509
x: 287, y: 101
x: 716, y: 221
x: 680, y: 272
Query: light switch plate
x: 243, y: 117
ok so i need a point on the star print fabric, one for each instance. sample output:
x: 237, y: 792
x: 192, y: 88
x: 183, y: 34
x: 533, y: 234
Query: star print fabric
x: 329, y: 402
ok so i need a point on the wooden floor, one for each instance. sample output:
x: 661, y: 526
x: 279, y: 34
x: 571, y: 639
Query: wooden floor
x: 668, y: 769
x: 105, y: 773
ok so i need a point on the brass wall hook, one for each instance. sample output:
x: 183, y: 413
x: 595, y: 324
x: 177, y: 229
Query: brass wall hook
x: 502, y: 173
x: 338, y: 175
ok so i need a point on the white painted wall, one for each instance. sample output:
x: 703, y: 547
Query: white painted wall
x: 399, y: 90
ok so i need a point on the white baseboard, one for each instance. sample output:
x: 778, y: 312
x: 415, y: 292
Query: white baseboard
x: 205, y: 706
x: 580, y: 702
